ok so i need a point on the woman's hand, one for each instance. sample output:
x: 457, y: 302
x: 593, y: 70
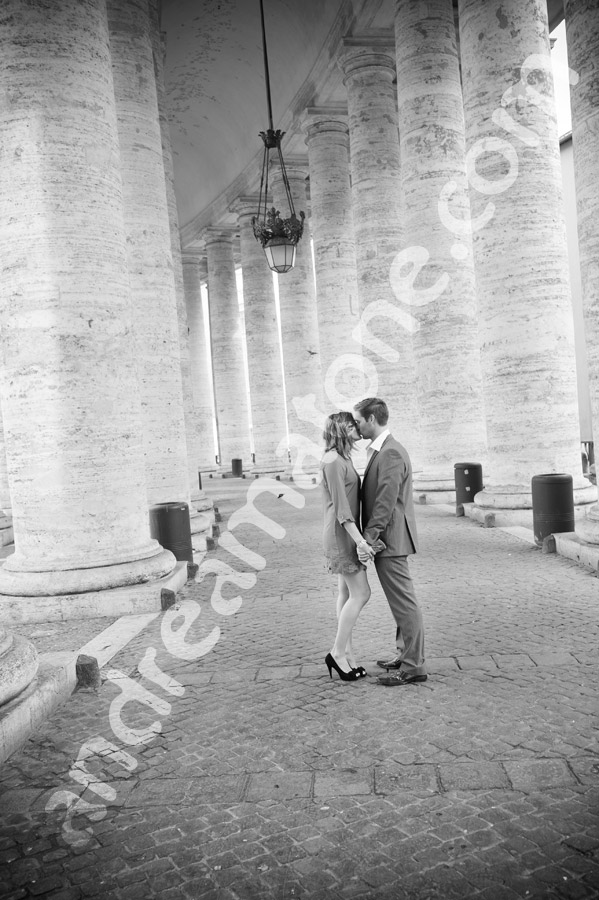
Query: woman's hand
x: 365, y: 552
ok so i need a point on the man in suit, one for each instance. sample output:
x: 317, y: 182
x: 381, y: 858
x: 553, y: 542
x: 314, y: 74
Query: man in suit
x: 388, y: 514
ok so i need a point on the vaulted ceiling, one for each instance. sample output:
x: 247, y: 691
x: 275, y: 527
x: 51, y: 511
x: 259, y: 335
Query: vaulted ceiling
x: 216, y: 90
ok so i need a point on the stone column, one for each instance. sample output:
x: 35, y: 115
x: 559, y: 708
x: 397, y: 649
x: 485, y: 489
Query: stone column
x: 437, y: 279
x: 149, y: 251
x: 521, y: 266
x: 267, y: 398
x: 335, y: 260
x: 6, y: 529
x: 299, y: 328
x: 193, y: 266
x: 226, y: 340
x: 70, y: 395
x: 582, y: 32
x: 197, y: 426
x: 388, y: 324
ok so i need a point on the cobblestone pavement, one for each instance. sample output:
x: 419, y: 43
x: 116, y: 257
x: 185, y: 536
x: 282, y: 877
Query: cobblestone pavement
x: 218, y: 760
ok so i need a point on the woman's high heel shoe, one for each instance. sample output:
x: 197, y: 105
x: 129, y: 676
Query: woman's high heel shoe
x: 331, y: 663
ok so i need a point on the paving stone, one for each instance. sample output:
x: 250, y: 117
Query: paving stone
x: 473, y: 776
x: 350, y: 782
x: 534, y: 774
x: 279, y: 786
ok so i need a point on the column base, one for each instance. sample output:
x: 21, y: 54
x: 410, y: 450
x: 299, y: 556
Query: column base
x: 520, y: 496
x: 587, y: 528
x: 18, y: 583
x: 433, y: 490
x: 130, y: 600
x: 18, y: 665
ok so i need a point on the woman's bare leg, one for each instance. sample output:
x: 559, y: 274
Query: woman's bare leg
x: 342, y: 598
x: 357, y: 594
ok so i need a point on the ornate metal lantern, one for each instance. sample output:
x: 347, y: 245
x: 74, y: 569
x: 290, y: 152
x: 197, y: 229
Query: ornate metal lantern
x: 279, y: 236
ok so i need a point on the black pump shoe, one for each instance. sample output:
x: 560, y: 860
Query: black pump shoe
x: 331, y: 663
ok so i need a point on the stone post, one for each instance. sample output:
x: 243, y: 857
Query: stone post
x: 520, y: 255
x: 342, y: 363
x: 437, y: 281
x: 200, y: 505
x: 70, y: 395
x: 226, y: 340
x: 388, y: 324
x: 267, y: 398
x: 193, y: 266
x: 299, y: 330
x: 582, y: 32
x: 149, y: 251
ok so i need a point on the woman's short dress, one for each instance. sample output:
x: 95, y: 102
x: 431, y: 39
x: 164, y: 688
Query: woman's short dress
x: 341, y: 495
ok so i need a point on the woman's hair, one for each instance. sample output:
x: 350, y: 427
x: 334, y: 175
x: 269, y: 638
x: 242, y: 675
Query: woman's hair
x: 336, y: 434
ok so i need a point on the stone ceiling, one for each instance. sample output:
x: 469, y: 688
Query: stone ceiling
x: 216, y: 89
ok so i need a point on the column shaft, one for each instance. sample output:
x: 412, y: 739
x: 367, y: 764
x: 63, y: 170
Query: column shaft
x: 198, y: 357
x: 226, y: 339
x: 195, y: 424
x: 149, y: 251
x: 299, y: 325
x: 521, y: 266
x: 582, y: 32
x: 262, y: 342
x: 70, y: 396
x: 369, y: 71
x: 436, y: 282
x: 335, y: 260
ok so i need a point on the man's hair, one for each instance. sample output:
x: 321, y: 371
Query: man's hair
x: 372, y: 406
x: 336, y: 434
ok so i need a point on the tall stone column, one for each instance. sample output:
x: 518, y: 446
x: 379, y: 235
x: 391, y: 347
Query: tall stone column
x: 6, y: 529
x: 149, y: 251
x: 193, y: 266
x: 369, y: 75
x: 582, y: 32
x: 526, y: 327
x: 299, y: 327
x: 226, y: 340
x: 437, y: 279
x: 335, y: 260
x: 267, y: 398
x: 201, y: 517
x: 70, y: 394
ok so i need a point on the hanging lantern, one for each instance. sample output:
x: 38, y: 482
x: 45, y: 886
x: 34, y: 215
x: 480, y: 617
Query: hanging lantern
x: 279, y: 236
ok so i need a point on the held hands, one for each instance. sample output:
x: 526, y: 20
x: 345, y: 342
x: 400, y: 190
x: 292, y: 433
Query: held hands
x: 365, y: 552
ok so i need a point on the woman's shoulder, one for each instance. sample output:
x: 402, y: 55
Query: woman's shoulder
x: 331, y: 456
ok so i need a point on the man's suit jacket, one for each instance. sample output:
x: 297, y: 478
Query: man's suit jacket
x: 387, y: 504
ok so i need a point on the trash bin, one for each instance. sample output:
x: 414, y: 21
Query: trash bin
x: 468, y: 481
x: 552, y: 505
x: 237, y: 468
x: 170, y: 526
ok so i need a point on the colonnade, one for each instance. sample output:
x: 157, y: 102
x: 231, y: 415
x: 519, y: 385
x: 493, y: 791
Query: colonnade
x: 440, y: 254
x: 438, y: 278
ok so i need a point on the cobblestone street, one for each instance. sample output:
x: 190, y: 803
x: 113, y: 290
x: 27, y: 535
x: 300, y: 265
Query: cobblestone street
x: 219, y: 761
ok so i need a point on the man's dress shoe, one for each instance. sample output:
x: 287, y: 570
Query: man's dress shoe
x: 394, y: 663
x: 400, y: 678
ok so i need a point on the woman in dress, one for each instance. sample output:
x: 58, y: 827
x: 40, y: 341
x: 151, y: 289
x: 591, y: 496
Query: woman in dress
x: 341, y: 489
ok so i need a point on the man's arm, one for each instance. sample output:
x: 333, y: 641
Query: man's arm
x: 391, y: 473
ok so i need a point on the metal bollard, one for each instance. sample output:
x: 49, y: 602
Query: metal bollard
x: 552, y: 505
